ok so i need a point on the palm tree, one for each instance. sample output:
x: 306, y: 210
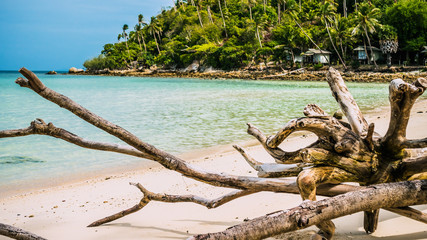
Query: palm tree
x: 367, y: 20
x: 342, y: 31
x: 326, y: 13
x: 260, y: 22
x: 137, y: 29
x: 119, y: 37
x: 142, y: 23
x: 153, y: 28
x: 125, y: 36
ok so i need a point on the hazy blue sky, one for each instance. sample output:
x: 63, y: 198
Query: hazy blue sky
x: 57, y: 35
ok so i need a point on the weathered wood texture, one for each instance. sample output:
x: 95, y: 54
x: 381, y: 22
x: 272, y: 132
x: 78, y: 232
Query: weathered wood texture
x: 17, y: 233
x: 346, y: 101
x: 310, y: 213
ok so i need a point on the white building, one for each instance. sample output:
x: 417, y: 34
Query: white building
x: 361, y: 54
x: 316, y: 56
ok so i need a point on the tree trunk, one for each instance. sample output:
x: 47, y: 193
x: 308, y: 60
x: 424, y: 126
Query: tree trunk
x: 259, y: 39
x: 157, y: 44
x: 342, y: 49
x: 17, y: 233
x: 143, y: 42
x: 345, y: 8
x: 370, y: 46
x: 388, y: 59
x: 333, y: 45
x: 200, y: 18
x: 366, y: 52
x: 127, y: 47
x: 139, y: 42
x: 210, y: 14
x: 223, y: 20
x: 310, y: 213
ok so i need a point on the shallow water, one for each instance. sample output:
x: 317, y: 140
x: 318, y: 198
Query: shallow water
x: 176, y: 115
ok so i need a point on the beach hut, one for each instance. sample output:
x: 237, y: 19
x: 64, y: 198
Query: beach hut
x: 316, y: 56
x: 361, y: 54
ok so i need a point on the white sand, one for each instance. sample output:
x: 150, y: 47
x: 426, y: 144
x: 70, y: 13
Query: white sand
x: 63, y: 212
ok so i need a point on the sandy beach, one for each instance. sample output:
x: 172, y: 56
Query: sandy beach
x: 63, y: 212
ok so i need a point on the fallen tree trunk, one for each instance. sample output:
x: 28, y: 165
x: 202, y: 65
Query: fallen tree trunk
x: 311, y: 213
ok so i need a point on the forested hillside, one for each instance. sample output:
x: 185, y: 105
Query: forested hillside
x: 230, y: 34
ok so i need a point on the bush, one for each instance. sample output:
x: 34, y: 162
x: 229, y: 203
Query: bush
x: 355, y: 64
x: 98, y: 63
x: 317, y: 66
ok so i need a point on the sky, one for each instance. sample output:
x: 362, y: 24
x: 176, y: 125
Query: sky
x: 60, y: 34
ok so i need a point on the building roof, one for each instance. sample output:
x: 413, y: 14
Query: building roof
x: 312, y: 51
x: 361, y: 48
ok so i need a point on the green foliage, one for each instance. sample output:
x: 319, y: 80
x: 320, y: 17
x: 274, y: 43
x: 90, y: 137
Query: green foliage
x: 178, y: 36
x: 98, y: 63
x: 355, y: 64
x: 317, y: 66
x: 387, y: 32
x: 409, y: 18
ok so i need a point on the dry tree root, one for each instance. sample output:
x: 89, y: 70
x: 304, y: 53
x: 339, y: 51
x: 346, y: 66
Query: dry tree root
x: 344, y: 152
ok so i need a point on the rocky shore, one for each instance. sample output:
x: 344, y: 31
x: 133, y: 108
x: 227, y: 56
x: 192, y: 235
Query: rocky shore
x: 383, y: 75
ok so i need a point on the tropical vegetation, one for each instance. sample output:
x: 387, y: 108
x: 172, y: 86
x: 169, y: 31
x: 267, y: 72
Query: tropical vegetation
x: 231, y: 34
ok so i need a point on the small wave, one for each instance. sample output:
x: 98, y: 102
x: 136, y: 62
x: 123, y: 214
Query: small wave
x: 18, y: 160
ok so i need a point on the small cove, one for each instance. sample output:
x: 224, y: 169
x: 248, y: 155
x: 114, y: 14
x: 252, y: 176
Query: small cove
x: 174, y: 114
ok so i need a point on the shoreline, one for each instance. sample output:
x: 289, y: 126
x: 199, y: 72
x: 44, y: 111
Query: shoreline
x: 193, y: 156
x: 363, y: 76
x: 62, y: 212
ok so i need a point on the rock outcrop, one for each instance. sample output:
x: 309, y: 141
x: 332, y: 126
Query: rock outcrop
x: 75, y: 70
x: 192, y: 68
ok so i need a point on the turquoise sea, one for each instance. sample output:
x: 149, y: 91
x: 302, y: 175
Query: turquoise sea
x: 174, y: 114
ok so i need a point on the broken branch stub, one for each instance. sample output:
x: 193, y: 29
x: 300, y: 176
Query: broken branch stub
x: 346, y: 101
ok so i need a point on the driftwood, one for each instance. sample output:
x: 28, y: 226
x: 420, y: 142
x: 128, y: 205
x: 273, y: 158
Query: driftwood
x: 17, y: 233
x: 310, y: 213
x: 344, y: 152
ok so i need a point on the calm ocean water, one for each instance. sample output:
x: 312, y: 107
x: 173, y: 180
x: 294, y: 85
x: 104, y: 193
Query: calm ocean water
x: 175, y: 115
